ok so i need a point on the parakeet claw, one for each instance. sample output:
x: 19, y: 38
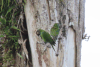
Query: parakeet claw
x: 44, y: 51
x: 48, y: 45
x: 41, y: 43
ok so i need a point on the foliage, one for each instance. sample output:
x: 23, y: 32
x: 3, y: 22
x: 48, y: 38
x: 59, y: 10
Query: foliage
x: 19, y: 55
x: 9, y: 13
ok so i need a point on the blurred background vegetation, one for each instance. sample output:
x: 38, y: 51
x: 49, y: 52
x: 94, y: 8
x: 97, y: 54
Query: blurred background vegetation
x: 9, y: 31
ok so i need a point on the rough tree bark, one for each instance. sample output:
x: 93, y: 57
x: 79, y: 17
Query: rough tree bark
x: 42, y: 14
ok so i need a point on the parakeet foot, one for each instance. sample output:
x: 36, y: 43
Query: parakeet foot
x: 41, y: 43
x: 44, y: 51
x: 48, y: 45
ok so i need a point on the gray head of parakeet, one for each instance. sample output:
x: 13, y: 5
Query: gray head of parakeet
x: 38, y: 32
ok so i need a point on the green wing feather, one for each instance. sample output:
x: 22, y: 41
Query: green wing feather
x: 46, y: 37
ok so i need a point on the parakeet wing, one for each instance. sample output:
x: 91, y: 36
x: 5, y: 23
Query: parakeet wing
x: 46, y: 37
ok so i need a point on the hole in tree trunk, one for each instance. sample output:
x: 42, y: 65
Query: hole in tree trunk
x: 25, y: 36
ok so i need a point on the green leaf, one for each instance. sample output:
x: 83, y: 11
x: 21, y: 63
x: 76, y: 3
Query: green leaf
x: 10, y: 20
x: 15, y: 1
x: 8, y: 2
x: 19, y: 55
x: 1, y: 3
x: 13, y: 27
x: 3, y: 20
x: 12, y: 36
x: 9, y: 10
x: 25, y: 1
x: 1, y: 35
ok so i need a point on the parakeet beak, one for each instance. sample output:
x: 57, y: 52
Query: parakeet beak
x: 38, y: 32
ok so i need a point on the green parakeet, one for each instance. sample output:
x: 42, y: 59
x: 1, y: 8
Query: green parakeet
x: 55, y: 31
x: 46, y: 37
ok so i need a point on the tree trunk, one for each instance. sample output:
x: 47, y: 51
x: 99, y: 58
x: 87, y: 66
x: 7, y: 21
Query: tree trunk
x: 42, y: 14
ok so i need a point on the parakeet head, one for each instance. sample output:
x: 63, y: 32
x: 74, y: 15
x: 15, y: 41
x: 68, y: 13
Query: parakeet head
x: 56, y: 26
x: 38, y: 32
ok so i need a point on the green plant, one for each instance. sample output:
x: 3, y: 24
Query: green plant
x: 9, y: 13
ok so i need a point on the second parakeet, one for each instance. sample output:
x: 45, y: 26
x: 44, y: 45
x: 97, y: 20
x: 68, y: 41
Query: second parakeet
x: 55, y: 31
x: 46, y: 37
